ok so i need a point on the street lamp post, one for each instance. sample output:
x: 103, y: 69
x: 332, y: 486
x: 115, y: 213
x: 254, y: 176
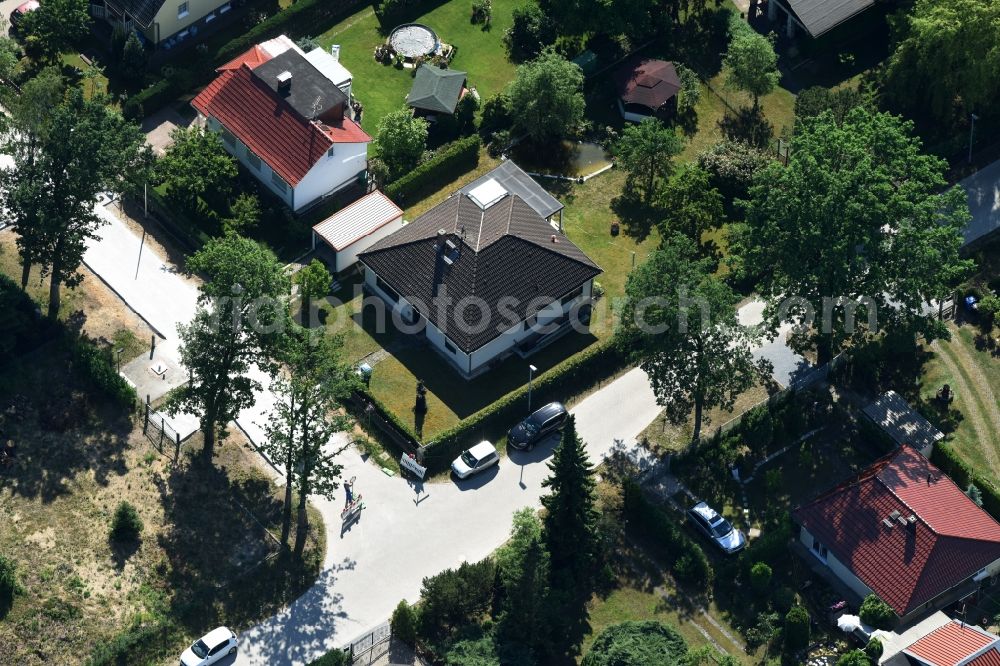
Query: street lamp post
x: 972, y: 129
x: 531, y: 374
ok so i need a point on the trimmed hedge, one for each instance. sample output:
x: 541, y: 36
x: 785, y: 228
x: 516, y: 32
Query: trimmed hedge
x: 685, y: 558
x: 156, y: 96
x: 449, y: 163
x: 302, y: 17
x: 951, y: 463
x: 492, y: 422
x: 335, y: 658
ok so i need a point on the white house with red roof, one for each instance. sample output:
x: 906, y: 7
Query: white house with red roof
x: 285, y: 115
x: 940, y: 641
x: 903, y: 530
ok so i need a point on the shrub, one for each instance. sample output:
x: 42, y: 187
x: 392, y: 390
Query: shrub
x: 10, y: 586
x: 877, y: 613
x: 760, y: 577
x: 97, y: 366
x: 637, y: 644
x: 333, y: 658
x: 455, y: 598
x: 497, y: 115
x: 683, y: 555
x: 854, y: 658
x: 126, y: 524
x: 404, y: 623
x: 874, y: 649
x: 783, y: 599
x: 447, y: 164
x: 532, y: 31
x: 796, y: 629
x: 131, y: 645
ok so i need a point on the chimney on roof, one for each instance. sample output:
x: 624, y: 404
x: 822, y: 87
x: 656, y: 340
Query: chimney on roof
x: 284, y: 82
x: 930, y: 478
x: 554, y: 239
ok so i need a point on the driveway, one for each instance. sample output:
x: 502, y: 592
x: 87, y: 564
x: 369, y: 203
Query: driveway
x: 408, y: 530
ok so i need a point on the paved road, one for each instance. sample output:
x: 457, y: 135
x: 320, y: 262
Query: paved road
x: 983, y: 188
x: 408, y: 530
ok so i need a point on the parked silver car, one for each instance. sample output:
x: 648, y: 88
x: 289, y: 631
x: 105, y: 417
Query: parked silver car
x: 716, y: 528
x: 475, y: 460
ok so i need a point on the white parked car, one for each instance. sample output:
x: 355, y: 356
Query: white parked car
x: 475, y: 460
x: 210, y: 648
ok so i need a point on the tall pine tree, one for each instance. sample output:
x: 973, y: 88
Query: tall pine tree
x: 571, y: 539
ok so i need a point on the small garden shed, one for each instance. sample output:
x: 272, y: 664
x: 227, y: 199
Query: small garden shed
x: 355, y: 228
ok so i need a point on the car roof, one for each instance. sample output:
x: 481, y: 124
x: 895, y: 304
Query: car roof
x: 28, y: 6
x: 548, y: 411
x: 216, y: 637
x: 481, y: 450
x: 706, y: 512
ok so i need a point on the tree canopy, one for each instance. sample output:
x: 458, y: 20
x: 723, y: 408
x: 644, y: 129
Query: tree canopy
x: 241, y: 316
x: 947, y: 57
x: 548, y: 95
x: 859, y: 215
x: 638, y: 644
x: 531, y: 32
x: 400, y: 141
x: 690, y: 205
x: 752, y: 64
x: 61, y: 164
x: 680, y: 322
x: 54, y: 28
x: 195, y: 164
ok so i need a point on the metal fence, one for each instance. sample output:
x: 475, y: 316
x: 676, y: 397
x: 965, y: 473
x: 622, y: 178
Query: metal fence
x: 371, y: 646
x: 161, y: 433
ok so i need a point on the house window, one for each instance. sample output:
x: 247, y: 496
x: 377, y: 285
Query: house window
x: 182, y: 10
x: 386, y: 289
x: 573, y: 295
x: 329, y: 153
x: 279, y: 182
x: 228, y: 138
x: 252, y: 159
x: 819, y: 550
x: 450, y: 347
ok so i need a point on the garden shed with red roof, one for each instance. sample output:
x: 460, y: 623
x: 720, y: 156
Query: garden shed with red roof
x: 647, y: 88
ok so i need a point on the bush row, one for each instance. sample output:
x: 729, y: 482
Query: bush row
x: 685, y: 558
x: 302, y: 17
x: 129, y: 646
x: 449, y: 163
x: 402, y: 435
x: 158, y: 95
x: 579, y: 372
x: 951, y: 463
x: 98, y: 367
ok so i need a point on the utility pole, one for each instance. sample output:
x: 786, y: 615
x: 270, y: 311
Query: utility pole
x: 531, y: 374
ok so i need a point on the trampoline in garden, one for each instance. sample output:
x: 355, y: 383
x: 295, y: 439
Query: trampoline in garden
x: 413, y: 40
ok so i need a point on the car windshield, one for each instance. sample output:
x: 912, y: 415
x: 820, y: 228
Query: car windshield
x: 469, y: 459
x: 200, y: 649
x: 721, y: 528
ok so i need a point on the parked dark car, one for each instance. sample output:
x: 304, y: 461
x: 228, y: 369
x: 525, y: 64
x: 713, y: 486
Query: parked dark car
x: 538, y: 426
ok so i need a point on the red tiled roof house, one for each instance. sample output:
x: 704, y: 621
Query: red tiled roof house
x: 903, y: 530
x: 284, y: 114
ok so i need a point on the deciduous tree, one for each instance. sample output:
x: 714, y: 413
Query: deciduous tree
x: 400, y: 141
x: 752, y: 64
x: 242, y: 312
x: 681, y: 323
x: 244, y: 215
x: 306, y: 417
x: 83, y: 149
x: 645, y: 151
x: 690, y: 205
x: 314, y: 282
x: 54, y: 28
x: 547, y: 95
x: 859, y: 216
x: 195, y: 164
x: 531, y: 32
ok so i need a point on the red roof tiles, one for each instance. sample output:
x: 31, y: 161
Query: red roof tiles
x: 289, y: 144
x: 255, y: 56
x: 989, y: 658
x: 950, y: 540
x: 952, y: 644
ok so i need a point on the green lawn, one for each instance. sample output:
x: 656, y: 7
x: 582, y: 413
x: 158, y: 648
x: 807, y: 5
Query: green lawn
x: 383, y: 88
x: 970, y: 366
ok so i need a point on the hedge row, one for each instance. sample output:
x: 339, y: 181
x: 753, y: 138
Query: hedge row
x: 449, y: 163
x: 97, y: 366
x: 158, y: 95
x: 382, y: 418
x: 685, y: 558
x: 300, y: 18
x: 951, y: 463
x: 492, y: 422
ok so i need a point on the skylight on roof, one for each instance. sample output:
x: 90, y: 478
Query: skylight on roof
x: 488, y: 193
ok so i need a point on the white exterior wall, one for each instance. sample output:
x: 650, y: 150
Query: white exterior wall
x: 836, y: 566
x: 332, y: 172
x: 349, y: 255
x: 328, y: 175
